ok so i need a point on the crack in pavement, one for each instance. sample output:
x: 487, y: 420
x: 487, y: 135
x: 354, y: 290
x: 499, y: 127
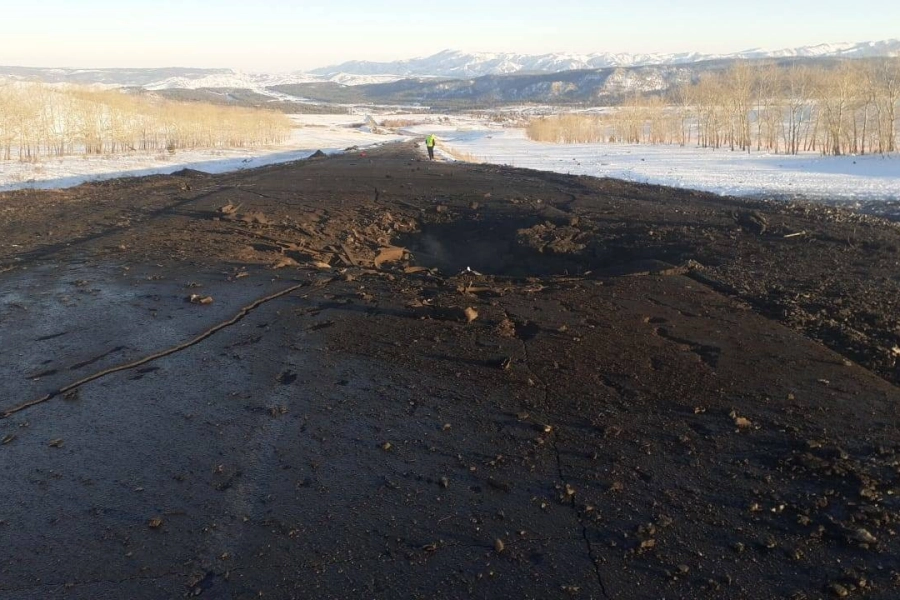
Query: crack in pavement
x: 554, y: 444
x: 584, y: 532
x: 243, y: 312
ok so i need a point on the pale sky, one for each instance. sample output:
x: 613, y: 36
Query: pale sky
x: 291, y: 35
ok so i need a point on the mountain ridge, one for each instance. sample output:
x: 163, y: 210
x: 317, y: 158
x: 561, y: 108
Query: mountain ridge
x: 454, y: 63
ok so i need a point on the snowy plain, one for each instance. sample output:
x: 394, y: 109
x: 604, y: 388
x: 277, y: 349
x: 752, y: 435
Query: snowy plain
x: 328, y: 133
x: 811, y: 176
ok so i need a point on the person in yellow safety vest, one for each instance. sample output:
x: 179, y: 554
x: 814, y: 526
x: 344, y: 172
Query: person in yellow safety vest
x: 429, y: 143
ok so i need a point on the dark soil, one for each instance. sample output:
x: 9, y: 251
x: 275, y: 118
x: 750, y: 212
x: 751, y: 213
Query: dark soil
x: 372, y: 376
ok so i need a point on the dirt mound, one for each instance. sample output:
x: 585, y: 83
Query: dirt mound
x: 192, y: 173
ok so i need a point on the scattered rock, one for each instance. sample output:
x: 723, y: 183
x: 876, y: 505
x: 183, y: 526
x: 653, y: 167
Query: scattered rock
x: 285, y: 261
x: 198, y: 299
x: 740, y: 422
x: 863, y: 536
x: 257, y: 218
x: 388, y: 254
x: 665, y: 521
x: 753, y: 221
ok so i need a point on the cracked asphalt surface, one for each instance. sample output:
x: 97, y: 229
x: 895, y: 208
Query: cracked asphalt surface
x: 373, y: 376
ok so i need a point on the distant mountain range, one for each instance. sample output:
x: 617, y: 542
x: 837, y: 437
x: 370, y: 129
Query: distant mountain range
x: 175, y: 77
x: 449, y: 80
x: 449, y: 64
x: 110, y: 77
x: 454, y: 64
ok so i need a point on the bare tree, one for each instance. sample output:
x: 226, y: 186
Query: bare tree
x: 683, y: 98
x: 38, y: 120
x: 850, y: 108
x: 737, y: 91
x: 767, y: 115
x: 884, y: 81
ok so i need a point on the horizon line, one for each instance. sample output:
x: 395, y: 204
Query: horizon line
x: 451, y: 50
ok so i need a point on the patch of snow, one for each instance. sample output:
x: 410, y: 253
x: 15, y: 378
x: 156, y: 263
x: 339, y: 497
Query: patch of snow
x: 353, y: 79
x: 810, y: 176
x: 234, y: 79
x: 329, y: 133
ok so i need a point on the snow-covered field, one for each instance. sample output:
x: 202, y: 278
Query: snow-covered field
x: 328, y: 133
x: 722, y: 171
x: 846, y: 178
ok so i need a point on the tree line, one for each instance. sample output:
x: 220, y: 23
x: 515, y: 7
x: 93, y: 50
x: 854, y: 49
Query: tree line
x: 38, y: 120
x: 848, y: 108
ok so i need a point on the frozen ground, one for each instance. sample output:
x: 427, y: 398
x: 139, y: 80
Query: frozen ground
x: 847, y: 178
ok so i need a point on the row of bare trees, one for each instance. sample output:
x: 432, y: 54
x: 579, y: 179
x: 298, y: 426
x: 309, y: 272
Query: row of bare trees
x: 848, y: 108
x: 37, y: 121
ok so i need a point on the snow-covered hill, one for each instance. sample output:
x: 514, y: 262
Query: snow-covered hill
x: 452, y: 63
x: 180, y: 78
x: 259, y: 81
x: 230, y: 79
